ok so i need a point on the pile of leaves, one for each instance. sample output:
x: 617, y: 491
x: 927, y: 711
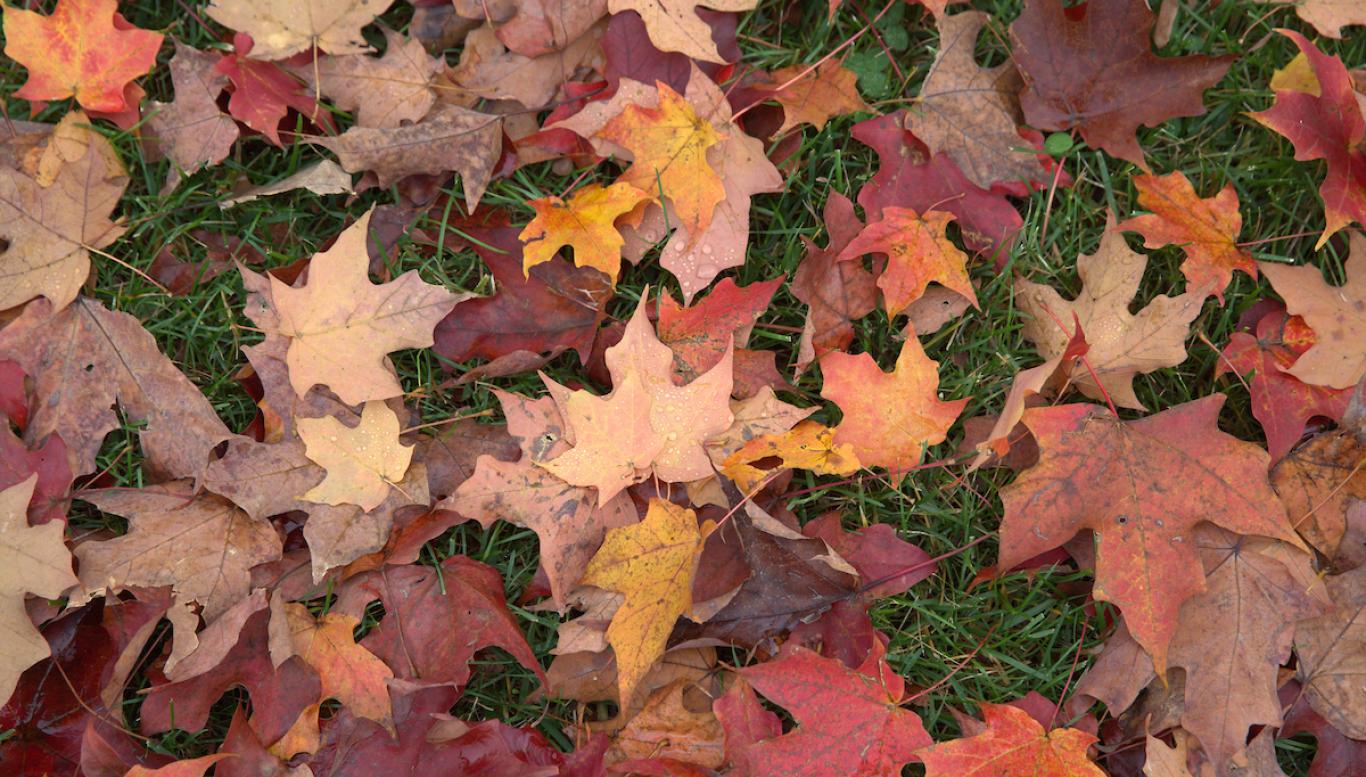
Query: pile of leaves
x: 282, y: 587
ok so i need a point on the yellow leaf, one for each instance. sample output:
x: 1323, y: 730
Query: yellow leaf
x: 652, y: 564
x: 808, y: 445
x: 586, y: 222
x: 362, y: 462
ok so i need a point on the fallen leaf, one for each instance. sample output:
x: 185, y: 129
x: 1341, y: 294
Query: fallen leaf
x: 1092, y: 69
x: 36, y: 561
x: 289, y: 27
x: 539, y: 27
x: 889, y: 418
x: 215, y: 546
x: 666, y: 728
x: 1328, y: 16
x: 190, y: 767
x: 324, y: 177
x: 808, y: 445
x: 51, y: 222
x: 586, y: 222
x: 700, y: 334
x: 1013, y: 743
x: 362, y: 462
x: 1281, y: 402
x: 850, y: 723
x: 348, y: 672
x: 1335, y: 755
x: 263, y: 92
x: 1319, y: 482
x: 1205, y: 227
x: 970, y: 113
x: 887, y: 565
x: 918, y: 253
x: 86, y: 358
x: 1328, y: 125
x: 668, y: 145
x: 388, y: 91
x: 85, y: 49
x: 448, y: 138
x: 814, y: 96
x: 1163, y: 761
x: 909, y: 176
x: 341, y: 326
x: 652, y: 564
x: 1337, y: 314
x: 1141, y: 486
x: 48, y: 462
x: 491, y: 71
x: 192, y: 131
x: 673, y: 25
x: 1332, y: 658
x: 614, y: 441
x: 836, y: 293
x: 251, y: 759
x: 1120, y: 344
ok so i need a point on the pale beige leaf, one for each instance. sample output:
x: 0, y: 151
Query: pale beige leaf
x: 362, y: 462
x: 281, y: 28
x: 387, y: 91
x: 325, y: 177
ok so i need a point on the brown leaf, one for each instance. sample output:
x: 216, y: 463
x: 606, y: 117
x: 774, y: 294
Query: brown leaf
x: 215, y: 545
x: 325, y: 177
x: 192, y: 131
x: 51, y: 217
x: 1318, y: 482
x: 667, y: 728
x: 450, y: 138
x: 384, y: 92
x: 1332, y: 653
x: 86, y: 358
x: 362, y: 461
x: 488, y: 69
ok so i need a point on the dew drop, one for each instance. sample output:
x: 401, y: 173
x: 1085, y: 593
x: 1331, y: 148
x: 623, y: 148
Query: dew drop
x: 706, y: 271
x: 706, y: 250
x: 679, y: 247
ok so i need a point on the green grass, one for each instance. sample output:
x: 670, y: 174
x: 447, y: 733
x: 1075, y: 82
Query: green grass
x: 1027, y: 632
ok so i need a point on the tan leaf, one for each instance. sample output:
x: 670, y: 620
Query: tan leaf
x: 668, y: 727
x: 86, y: 358
x: 1122, y: 344
x: 387, y: 91
x: 341, y: 325
x: 673, y: 25
x: 490, y: 70
x: 1318, y: 482
x: 202, y: 545
x: 1332, y: 653
x: 325, y: 177
x: 1337, y: 314
x: 340, y: 534
x: 362, y: 462
x: 450, y: 138
x: 284, y: 27
x: 192, y: 131
x: 33, y: 559
x: 52, y: 219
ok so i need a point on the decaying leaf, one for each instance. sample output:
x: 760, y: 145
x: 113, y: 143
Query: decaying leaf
x: 192, y: 131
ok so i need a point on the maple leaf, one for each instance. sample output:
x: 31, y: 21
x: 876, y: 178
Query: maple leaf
x: 1326, y: 124
x: 448, y: 138
x: 1091, y: 68
x: 673, y: 25
x: 808, y: 445
x: 1013, y: 743
x: 436, y: 619
x: 886, y: 564
x: 490, y: 70
x: 971, y: 113
x: 584, y: 222
x: 549, y: 308
x: 814, y: 96
x: 36, y: 561
x: 387, y: 91
x: 1337, y: 314
x: 566, y: 518
x: 1282, y: 403
x: 1319, y: 482
x: 1334, y: 753
x: 285, y: 27
x: 52, y: 219
x: 1328, y: 16
x: 836, y: 293
x: 652, y: 564
x: 48, y: 462
x: 189, y: 767
x: 348, y: 672
x: 1206, y: 228
x: 263, y: 92
x: 1120, y: 344
x: 700, y: 335
x: 191, y: 130
x: 666, y: 728
x: 540, y: 27
x: 85, y: 49
x: 889, y: 418
x: 341, y: 325
x: 848, y: 722
x: 909, y: 176
x: 85, y: 358
x: 210, y: 561
x: 669, y: 145
x: 362, y: 462
x: 1141, y: 486
x: 1331, y: 658
x: 918, y: 252
x: 614, y: 441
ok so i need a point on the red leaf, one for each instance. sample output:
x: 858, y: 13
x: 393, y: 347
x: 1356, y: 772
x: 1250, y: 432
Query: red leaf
x: 49, y: 462
x: 884, y: 561
x: 263, y: 92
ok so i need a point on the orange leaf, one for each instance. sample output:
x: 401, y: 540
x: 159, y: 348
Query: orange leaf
x: 889, y: 417
x: 814, y: 97
x: 808, y: 445
x: 669, y: 144
x: 84, y: 49
x: 585, y: 222
x: 918, y: 252
x: 1013, y: 743
x: 1206, y: 228
x: 652, y: 563
x: 349, y: 673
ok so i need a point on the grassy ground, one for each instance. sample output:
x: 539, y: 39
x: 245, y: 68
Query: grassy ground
x: 1027, y: 633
